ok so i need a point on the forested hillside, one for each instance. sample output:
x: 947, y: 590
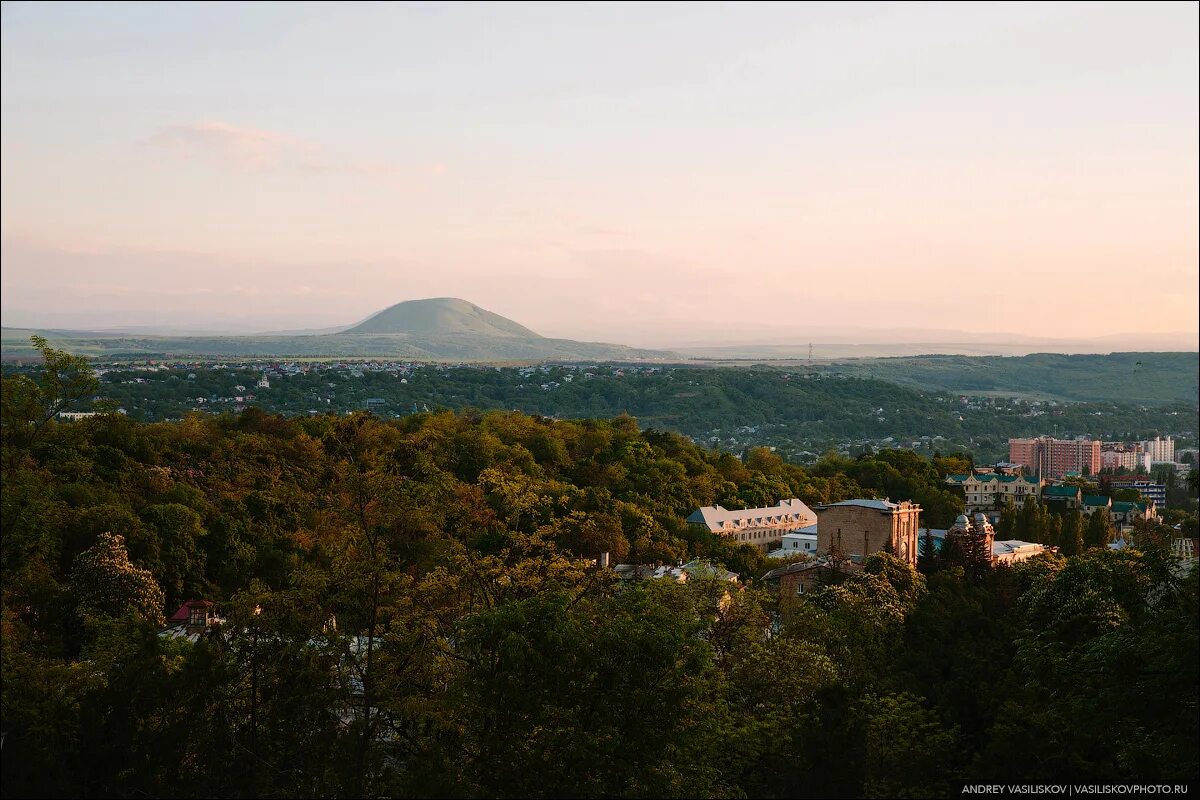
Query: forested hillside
x: 413, y: 609
x: 1153, y: 378
x: 793, y: 410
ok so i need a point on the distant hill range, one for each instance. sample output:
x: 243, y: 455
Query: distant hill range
x: 446, y: 329
x: 437, y: 329
x: 1150, y: 378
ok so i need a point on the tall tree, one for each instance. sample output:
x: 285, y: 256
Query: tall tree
x: 1007, y: 526
x: 1054, y: 531
x: 1099, y: 528
x: 105, y: 582
x: 29, y: 403
x: 1072, y: 539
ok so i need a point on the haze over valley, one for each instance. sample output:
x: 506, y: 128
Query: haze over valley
x: 451, y: 329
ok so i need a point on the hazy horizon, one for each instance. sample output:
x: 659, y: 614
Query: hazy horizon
x: 751, y: 336
x: 643, y: 174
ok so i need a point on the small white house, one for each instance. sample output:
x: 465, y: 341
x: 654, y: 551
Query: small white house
x: 802, y: 542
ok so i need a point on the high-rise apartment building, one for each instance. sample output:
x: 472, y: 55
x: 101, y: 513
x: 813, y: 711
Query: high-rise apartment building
x: 1121, y: 456
x: 1052, y: 458
x: 1160, y: 449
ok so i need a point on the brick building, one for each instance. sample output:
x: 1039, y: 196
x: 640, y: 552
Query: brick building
x: 854, y: 529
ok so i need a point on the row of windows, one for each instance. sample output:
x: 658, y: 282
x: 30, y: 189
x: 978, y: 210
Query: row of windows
x: 761, y: 535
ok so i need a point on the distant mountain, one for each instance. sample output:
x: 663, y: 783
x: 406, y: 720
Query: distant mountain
x: 437, y: 329
x: 441, y: 316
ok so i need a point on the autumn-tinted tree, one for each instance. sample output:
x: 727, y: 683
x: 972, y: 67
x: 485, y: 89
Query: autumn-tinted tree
x: 104, y: 582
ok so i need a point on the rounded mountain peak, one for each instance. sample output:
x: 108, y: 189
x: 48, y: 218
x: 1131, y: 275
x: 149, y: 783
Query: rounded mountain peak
x: 441, y: 316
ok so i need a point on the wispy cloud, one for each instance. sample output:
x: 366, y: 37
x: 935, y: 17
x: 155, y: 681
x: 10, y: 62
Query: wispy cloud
x: 254, y: 148
x: 246, y: 147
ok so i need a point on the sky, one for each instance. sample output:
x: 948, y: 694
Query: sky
x: 648, y: 174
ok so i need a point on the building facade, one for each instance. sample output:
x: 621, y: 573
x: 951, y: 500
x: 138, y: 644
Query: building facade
x: 1160, y: 449
x: 854, y: 529
x: 1095, y: 502
x: 1065, y: 496
x: 988, y: 491
x: 1148, y: 488
x: 805, y: 577
x: 1126, y: 514
x: 1049, y: 458
x: 1121, y: 456
x: 763, y: 528
x: 801, y: 543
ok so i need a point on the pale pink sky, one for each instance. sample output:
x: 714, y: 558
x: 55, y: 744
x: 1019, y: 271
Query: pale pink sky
x: 636, y: 173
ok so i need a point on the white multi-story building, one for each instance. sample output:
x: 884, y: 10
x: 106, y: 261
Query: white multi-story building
x: 1160, y: 449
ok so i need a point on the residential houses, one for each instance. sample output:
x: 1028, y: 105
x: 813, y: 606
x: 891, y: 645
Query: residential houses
x: 1063, y: 496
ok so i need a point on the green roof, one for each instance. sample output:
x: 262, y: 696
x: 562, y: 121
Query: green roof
x: 1096, y: 499
x: 1061, y: 491
x: 986, y: 478
x: 1123, y: 506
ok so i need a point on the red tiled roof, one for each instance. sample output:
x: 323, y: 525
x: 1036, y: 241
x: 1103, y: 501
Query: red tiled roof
x: 185, y: 611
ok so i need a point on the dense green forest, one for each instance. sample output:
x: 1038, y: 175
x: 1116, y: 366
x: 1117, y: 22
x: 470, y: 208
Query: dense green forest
x: 802, y: 414
x: 413, y: 608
